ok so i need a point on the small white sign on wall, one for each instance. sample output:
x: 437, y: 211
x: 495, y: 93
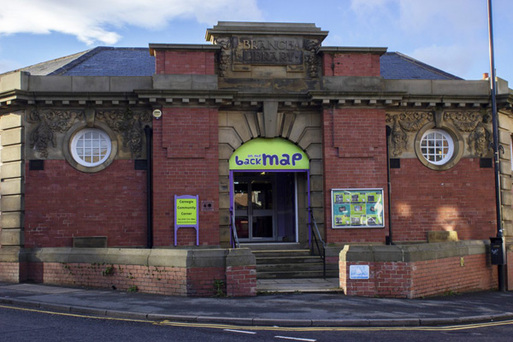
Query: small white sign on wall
x: 358, y: 271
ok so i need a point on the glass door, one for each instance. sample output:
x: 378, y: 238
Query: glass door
x: 254, y: 207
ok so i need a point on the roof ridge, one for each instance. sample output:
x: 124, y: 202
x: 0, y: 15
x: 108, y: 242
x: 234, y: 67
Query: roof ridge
x: 82, y: 58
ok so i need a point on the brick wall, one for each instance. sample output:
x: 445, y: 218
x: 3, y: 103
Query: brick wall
x: 61, y: 202
x: 354, y: 157
x: 161, y: 280
x: 179, y: 272
x: 458, y: 199
x: 240, y: 281
x: 10, y: 272
x: 351, y: 64
x: 185, y: 162
x: 185, y: 62
x: 421, y: 278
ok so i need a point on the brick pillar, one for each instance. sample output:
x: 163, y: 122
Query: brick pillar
x: 240, y: 273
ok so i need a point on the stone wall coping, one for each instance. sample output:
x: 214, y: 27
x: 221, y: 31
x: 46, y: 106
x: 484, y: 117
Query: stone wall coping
x: 353, y: 49
x: 413, y: 252
x: 183, y: 47
x: 186, y: 258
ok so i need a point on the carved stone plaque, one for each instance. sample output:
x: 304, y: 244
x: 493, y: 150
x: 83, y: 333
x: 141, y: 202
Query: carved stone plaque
x: 268, y: 50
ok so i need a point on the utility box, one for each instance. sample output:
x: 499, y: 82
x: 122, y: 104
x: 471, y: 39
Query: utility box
x: 497, y: 250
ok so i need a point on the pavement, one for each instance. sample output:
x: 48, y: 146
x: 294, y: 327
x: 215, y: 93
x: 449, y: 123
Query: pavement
x: 297, y: 303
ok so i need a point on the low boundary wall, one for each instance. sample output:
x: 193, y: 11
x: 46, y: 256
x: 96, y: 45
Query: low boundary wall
x: 191, y: 272
x: 412, y: 271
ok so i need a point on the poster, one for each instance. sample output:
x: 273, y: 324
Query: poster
x: 357, y: 208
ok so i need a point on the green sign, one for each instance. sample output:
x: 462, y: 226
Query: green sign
x: 269, y: 154
x: 357, y: 208
x: 186, y: 211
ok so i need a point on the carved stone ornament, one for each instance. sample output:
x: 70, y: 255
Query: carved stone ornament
x: 225, y: 55
x: 413, y: 121
x: 398, y: 138
x: 50, y: 122
x: 129, y: 124
x: 464, y: 121
x: 474, y: 123
x: 403, y: 123
x: 311, y: 47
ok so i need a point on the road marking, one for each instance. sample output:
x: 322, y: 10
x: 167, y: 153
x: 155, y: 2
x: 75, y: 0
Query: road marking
x: 241, y: 331
x: 295, y: 338
x: 269, y: 328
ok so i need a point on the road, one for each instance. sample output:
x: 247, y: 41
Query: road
x: 22, y: 324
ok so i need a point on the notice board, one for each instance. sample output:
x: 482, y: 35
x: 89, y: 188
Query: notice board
x: 357, y: 208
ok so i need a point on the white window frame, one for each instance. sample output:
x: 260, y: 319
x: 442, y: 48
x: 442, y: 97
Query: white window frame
x: 440, y: 136
x: 103, y: 138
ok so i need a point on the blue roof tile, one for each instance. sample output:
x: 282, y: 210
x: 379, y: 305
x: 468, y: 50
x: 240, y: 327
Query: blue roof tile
x: 395, y: 65
x: 114, y: 61
x: 109, y: 61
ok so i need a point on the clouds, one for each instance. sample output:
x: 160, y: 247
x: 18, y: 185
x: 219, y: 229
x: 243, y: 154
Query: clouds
x: 95, y: 21
x: 448, y: 34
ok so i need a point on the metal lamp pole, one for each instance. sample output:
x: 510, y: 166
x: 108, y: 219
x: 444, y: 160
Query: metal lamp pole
x: 499, y: 239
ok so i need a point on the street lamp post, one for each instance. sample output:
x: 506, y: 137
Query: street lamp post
x: 497, y: 246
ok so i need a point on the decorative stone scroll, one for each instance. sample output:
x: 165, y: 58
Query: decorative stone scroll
x: 225, y: 55
x: 474, y: 123
x: 402, y: 123
x: 48, y: 123
x: 129, y: 124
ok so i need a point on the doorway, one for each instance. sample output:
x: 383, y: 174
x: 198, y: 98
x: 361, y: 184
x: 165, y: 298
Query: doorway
x: 265, y: 206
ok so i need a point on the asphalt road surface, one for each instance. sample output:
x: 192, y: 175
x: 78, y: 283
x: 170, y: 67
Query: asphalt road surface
x: 22, y: 324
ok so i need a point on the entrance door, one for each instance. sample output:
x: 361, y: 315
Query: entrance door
x: 264, y: 205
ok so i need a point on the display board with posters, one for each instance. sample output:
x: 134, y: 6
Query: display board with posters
x: 357, y: 208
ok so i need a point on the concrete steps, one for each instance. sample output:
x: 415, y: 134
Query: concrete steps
x: 289, y: 264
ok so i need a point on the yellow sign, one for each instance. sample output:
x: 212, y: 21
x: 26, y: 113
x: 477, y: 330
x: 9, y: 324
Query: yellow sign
x: 269, y: 154
x: 186, y: 211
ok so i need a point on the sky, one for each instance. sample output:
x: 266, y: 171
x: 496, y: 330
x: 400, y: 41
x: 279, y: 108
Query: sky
x: 448, y: 34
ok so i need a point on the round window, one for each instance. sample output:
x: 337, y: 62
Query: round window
x: 437, y: 146
x: 91, y: 147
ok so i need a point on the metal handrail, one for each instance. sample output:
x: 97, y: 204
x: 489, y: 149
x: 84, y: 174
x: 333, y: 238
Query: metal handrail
x: 318, y: 238
x: 235, y: 242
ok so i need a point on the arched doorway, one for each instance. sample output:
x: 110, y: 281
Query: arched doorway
x: 264, y: 190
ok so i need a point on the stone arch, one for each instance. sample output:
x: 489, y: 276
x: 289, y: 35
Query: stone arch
x: 301, y: 127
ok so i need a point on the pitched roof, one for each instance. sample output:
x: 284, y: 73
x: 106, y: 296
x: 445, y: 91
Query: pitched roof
x: 119, y: 61
x: 395, y: 65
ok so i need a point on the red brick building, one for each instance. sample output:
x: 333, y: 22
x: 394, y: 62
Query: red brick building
x: 166, y: 169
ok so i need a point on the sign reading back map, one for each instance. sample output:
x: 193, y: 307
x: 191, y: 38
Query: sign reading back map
x: 269, y: 154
